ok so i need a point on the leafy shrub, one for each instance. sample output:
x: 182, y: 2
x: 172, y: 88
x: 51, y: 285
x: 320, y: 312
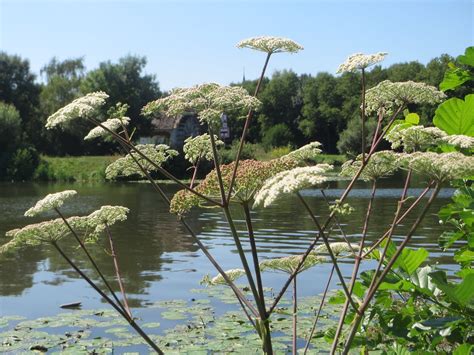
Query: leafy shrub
x: 278, y: 136
x: 249, y: 151
x: 22, y: 163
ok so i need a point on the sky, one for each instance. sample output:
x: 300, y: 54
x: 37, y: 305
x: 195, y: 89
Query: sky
x: 189, y: 42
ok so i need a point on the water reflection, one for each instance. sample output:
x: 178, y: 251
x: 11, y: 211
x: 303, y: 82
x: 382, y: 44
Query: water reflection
x: 159, y: 260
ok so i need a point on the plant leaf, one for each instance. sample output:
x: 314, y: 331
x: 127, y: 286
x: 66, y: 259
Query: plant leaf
x: 456, y: 116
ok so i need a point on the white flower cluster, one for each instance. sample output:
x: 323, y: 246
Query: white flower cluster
x: 337, y: 248
x: 36, y: 234
x: 290, y: 181
x: 80, y: 107
x: 269, y: 44
x: 199, y: 147
x: 381, y: 164
x: 126, y: 166
x: 232, y: 274
x: 307, y: 152
x: 112, y: 123
x: 460, y: 141
x: 50, y: 202
x: 208, y: 101
x: 388, y: 95
x: 95, y: 223
x: 360, y: 61
x: 440, y: 167
x: 414, y: 138
x: 289, y: 264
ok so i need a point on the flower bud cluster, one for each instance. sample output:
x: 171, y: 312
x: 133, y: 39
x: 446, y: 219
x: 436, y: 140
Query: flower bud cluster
x: 81, y: 107
x: 343, y: 209
x: 381, y: 164
x: 232, y: 274
x: 200, y: 147
x: 270, y: 44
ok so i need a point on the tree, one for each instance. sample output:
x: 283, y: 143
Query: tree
x: 322, y: 117
x: 62, y: 85
x: 281, y: 102
x: 18, y: 159
x: 125, y: 82
x: 18, y: 87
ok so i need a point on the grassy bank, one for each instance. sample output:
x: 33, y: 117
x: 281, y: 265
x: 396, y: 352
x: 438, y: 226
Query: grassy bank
x: 86, y: 168
x: 92, y: 168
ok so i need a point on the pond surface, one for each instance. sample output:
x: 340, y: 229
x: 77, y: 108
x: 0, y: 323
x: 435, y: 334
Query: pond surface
x: 160, y: 261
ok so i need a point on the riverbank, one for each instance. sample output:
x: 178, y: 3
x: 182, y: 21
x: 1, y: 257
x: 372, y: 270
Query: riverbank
x: 92, y: 168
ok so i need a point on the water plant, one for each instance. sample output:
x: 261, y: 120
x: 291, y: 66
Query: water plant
x: 439, y: 155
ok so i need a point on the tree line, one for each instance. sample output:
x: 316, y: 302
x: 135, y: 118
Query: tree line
x: 296, y: 108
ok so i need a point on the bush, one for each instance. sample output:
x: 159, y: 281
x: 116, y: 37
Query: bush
x: 278, y: 136
x: 249, y: 151
x: 22, y: 163
x: 350, y: 139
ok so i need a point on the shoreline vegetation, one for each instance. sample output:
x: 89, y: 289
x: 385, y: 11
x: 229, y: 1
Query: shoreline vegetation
x: 92, y: 168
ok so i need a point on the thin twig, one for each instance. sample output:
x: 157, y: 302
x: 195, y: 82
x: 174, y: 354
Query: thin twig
x: 109, y: 300
x: 117, y: 270
x: 329, y: 250
x: 245, y: 130
x: 321, y: 304
x: 92, y: 261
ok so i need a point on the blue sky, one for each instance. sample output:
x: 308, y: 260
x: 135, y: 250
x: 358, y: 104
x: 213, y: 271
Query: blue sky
x: 190, y: 42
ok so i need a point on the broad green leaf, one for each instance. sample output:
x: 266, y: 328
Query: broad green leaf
x: 461, y: 293
x: 448, y: 238
x: 453, y: 78
x: 464, y: 256
x: 412, y: 118
x: 456, y: 116
x: 464, y: 349
x: 411, y: 259
x: 468, y: 57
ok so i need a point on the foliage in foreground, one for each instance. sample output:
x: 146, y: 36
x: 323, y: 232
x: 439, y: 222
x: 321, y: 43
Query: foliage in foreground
x: 398, y: 302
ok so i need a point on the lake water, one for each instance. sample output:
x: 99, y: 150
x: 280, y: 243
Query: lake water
x: 160, y: 261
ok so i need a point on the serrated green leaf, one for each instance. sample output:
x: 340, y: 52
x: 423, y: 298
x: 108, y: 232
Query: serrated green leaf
x: 456, y: 116
x: 461, y: 293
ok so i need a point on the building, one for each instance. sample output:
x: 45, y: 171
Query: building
x: 173, y: 130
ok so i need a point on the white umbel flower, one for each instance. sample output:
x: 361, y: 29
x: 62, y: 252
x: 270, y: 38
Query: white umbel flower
x: 289, y: 264
x: 232, y: 274
x: 81, y: 107
x: 290, y: 181
x: 269, y: 44
x: 460, y: 140
x: 381, y: 164
x: 113, y: 124
x: 50, y: 202
x: 414, y: 138
x: 126, y: 166
x: 209, y: 101
x: 305, y: 153
x: 387, y: 95
x: 441, y: 167
x: 337, y: 248
x: 360, y: 61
